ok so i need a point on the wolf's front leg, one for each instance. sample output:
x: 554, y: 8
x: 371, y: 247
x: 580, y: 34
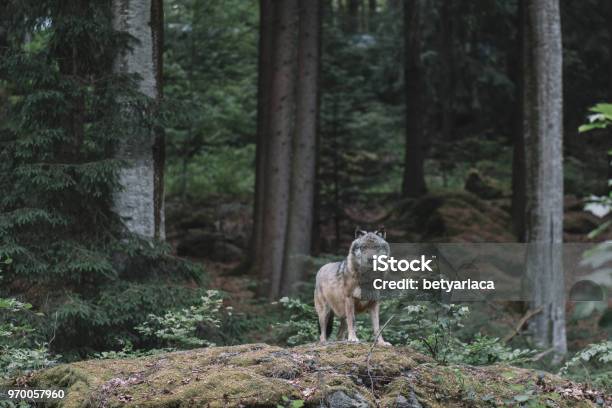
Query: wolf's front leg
x: 375, y: 316
x: 349, y: 305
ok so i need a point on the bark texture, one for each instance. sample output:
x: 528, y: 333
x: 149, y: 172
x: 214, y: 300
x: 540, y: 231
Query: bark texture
x: 159, y: 145
x: 266, y: 50
x: 414, y: 176
x: 303, y: 168
x: 448, y: 60
x: 136, y: 203
x: 278, y: 164
x: 518, y: 155
x: 543, y: 133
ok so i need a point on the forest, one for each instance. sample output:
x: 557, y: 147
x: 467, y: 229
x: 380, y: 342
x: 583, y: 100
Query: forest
x: 173, y: 174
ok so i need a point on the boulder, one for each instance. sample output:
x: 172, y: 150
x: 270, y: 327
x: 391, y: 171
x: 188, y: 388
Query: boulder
x: 481, y: 187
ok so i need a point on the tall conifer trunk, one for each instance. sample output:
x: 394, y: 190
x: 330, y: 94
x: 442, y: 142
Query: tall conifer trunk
x: 448, y: 60
x: 414, y: 176
x: 278, y: 164
x: 543, y: 133
x: 518, y: 140
x: 299, y: 228
x: 266, y: 49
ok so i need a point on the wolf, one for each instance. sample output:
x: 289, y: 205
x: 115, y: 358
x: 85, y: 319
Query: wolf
x: 337, y: 288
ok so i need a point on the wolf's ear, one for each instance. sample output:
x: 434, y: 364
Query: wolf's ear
x: 381, y: 232
x: 359, y: 232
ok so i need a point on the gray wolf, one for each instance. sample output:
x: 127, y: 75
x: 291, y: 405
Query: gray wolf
x: 337, y: 290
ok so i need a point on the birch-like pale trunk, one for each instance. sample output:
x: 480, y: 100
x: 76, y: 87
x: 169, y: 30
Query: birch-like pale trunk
x: 140, y: 202
x: 543, y: 133
x: 303, y: 165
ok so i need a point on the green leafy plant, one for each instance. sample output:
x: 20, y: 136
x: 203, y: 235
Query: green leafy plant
x: 592, y: 365
x: 432, y: 329
x: 599, y: 205
x: 302, y: 325
x: 290, y: 403
x: 182, y: 328
x: 127, y: 351
x: 19, y: 351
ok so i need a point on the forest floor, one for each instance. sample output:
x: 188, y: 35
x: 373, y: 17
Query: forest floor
x: 334, y: 375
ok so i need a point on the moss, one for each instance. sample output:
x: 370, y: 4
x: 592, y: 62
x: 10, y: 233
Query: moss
x: 261, y: 375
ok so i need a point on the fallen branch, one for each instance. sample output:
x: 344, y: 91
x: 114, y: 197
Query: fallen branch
x: 370, y: 353
x: 541, y: 355
x: 521, y: 323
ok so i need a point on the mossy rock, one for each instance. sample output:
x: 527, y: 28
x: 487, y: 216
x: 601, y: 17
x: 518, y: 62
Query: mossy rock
x: 332, y: 375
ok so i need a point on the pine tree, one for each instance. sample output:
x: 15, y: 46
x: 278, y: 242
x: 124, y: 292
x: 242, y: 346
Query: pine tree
x: 59, y: 171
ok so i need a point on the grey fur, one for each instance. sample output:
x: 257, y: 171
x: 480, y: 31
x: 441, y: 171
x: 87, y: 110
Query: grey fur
x: 338, y: 290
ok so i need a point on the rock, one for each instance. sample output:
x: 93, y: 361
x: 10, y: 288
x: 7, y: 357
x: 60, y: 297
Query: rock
x: 481, y: 187
x: 403, y: 402
x: 319, y: 375
x: 339, y: 399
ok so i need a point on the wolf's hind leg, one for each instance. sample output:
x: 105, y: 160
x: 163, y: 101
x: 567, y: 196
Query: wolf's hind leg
x: 341, y: 330
x: 324, y: 313
x: 325, y: 318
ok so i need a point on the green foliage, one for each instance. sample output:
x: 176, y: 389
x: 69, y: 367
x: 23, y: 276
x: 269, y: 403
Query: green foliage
x: 183, y: 328
x: 432, y: 333
x: 216, y: 171
x: 291, y: 403
x: 600, y: 119
x: 210, y: 88
x: 128, y: 352
x: 20, y: 353
x: 433, y: 329
x: 591, y: 365
x: 301, y: 326
x: 430, y: 328
x: 65, y: 111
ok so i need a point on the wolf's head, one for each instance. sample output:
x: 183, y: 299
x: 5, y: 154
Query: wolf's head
x: 366, y: 245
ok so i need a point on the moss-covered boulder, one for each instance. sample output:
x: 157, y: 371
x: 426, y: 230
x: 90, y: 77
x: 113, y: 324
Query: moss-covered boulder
x: 332, y: 375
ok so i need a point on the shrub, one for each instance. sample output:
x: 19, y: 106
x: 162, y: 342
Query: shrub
x: 183, y: 328
x: 591, y: 365
x: 18, y: 353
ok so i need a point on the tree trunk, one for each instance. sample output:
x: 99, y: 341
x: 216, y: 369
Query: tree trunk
x: 303, y: 169
x: 543, y: 133
x: 266, y: 49
x: 352, y: 21
x: 414, y: 176
x: 448, y: 61
x: 159, y: 145
x: 608, y: 153
x: 278, y: 166
x: 138, y: 203
x: 518, y: 156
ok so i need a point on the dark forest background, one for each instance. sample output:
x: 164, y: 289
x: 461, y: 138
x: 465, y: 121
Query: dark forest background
x: 172, y: 201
